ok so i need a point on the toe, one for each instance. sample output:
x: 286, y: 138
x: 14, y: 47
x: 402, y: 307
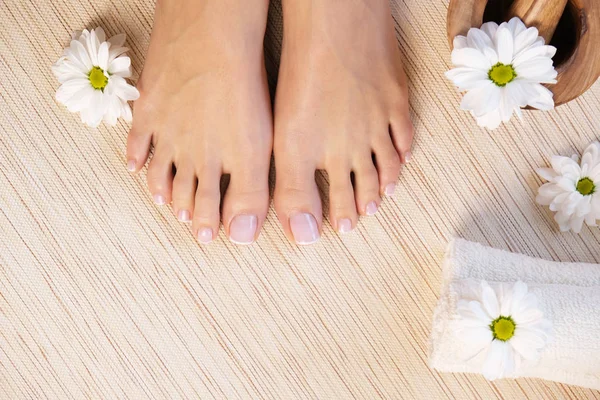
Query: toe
x: 366, y: 187
x: 402, y: 132
x: 138, y: 148
x: 342, y: 210
x: 160, y: 177
x: 184, y: 190
x: 246, y: 203
x: 205, y: 222
x: 388, y: 165
x: 297, y: 201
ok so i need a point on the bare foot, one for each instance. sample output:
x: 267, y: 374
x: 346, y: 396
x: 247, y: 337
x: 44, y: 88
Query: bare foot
x: 341, y: 106
x: 205, y: 107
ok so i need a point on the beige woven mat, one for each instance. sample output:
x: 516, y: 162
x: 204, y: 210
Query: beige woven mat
x: 104, y: 295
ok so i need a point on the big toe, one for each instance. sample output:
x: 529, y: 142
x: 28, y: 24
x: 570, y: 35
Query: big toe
x: 246, y: 203
x: 297, y: 201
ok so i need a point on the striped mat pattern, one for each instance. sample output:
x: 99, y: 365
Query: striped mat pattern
x: 105, y: 296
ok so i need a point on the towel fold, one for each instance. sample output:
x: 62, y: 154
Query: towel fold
x: 568, y: 294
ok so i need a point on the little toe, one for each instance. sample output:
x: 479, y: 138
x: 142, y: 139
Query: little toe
x: 205, y: 222
x: 138, y: 148
x: 342, y: 209
x: 366, y: 187
x: 297, y: 202
x: 245, y: 204
x: 388, y: 165
x: 184, y: 191
x: 402, y: 132
x: 160, y: 177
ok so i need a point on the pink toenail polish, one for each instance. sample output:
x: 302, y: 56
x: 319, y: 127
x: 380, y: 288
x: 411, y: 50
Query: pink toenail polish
x: 390, y: 189
x: 407, y: 157
x: 131, y: 165
x: 205, y: 235
x: 371, y: 208
x: 243, y: 229
x: 304, y: 228
x: 184, y: 216
x: 344, y: 225
x: 159, y: 200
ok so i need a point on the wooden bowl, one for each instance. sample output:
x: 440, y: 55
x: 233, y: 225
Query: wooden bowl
x: 572, y: 26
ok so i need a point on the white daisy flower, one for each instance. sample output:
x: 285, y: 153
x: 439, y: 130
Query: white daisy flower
x: 92, y: 72
x: 502, y: 68
x: 506, y: 323
x: 573, y: 190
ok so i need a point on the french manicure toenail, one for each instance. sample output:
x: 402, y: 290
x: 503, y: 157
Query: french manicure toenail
x: 205, y: 235
x: 344, y: 225
x: 407, y: 157
x: 131, y: 166
x: 390, y: 189
x: 371, y: 208
x: 243, y: 229
x: 159, y: 200
x: 304, y: 228
x: 183, y: 216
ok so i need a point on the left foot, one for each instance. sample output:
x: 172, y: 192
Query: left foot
x: 341, y: 106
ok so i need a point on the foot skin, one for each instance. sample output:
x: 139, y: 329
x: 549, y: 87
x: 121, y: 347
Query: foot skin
x: 205, y: 108
x: 341, y: 106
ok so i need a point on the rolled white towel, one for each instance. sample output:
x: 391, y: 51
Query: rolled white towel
x: 568, y: 295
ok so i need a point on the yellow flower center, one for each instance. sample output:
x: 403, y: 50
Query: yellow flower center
x: 501, y: 74
x: 97, y: 78
x: 503, y: 328
x: 586, y: 186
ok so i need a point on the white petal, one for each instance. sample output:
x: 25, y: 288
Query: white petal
x: 115, y: 52
x: 122, y: 89
x: 525, y: 39
x: 494, y: 364
x: 490, y: 301
x: 490, y: 29
x: 532, y: 53
x: 490, y: 121
x: 504, y: 45
x: 537, y: 69
x: 516, y: 26
x: 121, y: 66
x: 546, y: 173
x: 478, y: 39
x: 103, y: 56
x: 81, y: 54
x: 117, y: 40
x: 482, y: 100
x: 523, y: 348
x: 92, y: 44
x: 544, y: 99
x: 126, y: 111
x: 100, y: 35
x: 471, y: 58
x: 459, y: 42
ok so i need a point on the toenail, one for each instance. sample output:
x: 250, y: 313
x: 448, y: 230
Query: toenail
x: 205, y: 235
x: 390, y: 189
x: 243, y: 229
x: 159, y: 200
x: 304, y: 228
x: 184, y: 216
x: 131, y: 166
x: 407, y: 157
x: 344, y: 225
x: 371, y: 208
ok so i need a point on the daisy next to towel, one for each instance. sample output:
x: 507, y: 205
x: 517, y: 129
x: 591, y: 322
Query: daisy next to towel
x: 507, y: 315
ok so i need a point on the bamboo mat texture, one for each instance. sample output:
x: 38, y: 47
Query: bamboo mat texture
x: 105, y: 296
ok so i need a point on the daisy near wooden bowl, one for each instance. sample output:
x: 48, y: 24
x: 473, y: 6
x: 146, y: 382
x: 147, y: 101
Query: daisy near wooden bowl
x: 572, y: 26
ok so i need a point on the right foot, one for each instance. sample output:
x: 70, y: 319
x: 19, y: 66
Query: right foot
x: 341, y: 106
x: 205, y: 107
